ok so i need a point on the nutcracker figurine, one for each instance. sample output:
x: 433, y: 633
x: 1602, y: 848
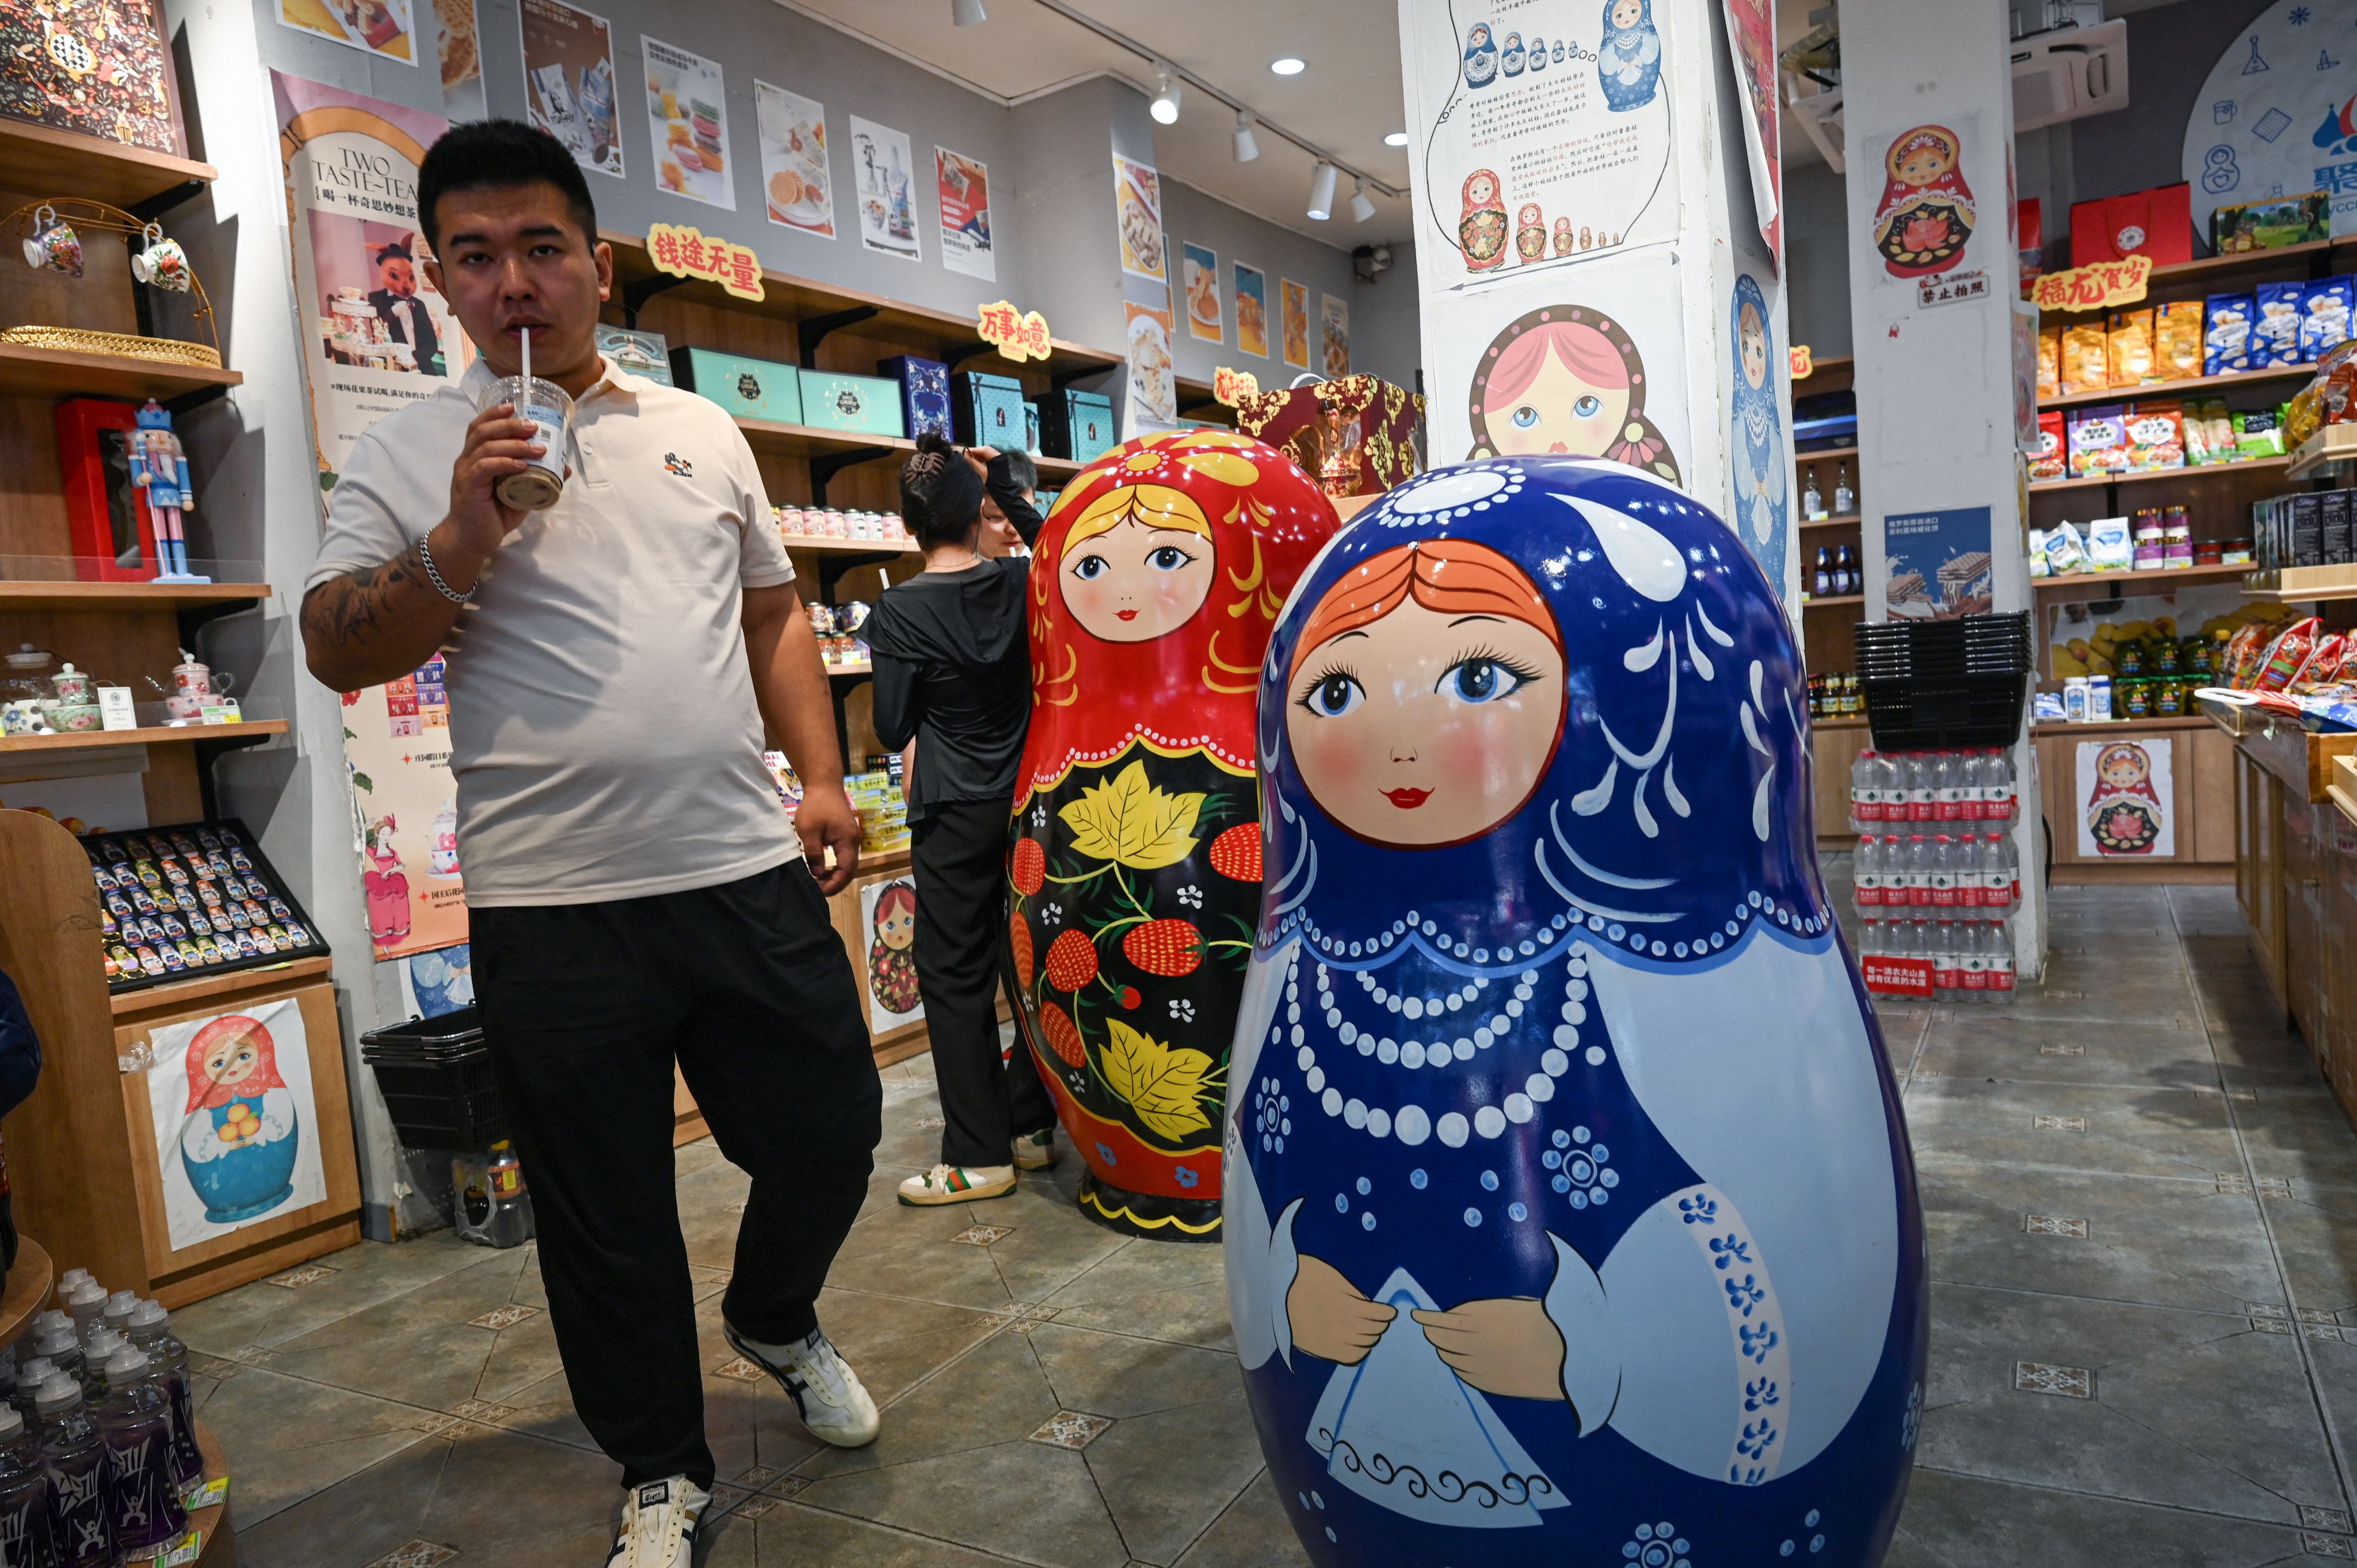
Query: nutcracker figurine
x: 160, y: 470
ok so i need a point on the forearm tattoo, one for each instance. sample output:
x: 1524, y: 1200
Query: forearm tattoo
x: 344, y: 610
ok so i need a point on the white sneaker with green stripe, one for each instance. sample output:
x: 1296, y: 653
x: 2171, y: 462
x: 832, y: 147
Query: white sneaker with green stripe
x: 1035, y: 1151
x: 957, y: 1184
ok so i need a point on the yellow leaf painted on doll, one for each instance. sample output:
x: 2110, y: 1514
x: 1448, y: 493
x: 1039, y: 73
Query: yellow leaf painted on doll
x: 1131, y: 822
x: 1163, y: 1085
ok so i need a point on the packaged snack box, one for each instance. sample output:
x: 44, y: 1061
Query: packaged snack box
x: 2177, y: 341
x: 2156, y: 432
x: 2227, y: 333
x: 2274, y: 331
x: 2276, y: 222
x: 2324, y: 315
x: 2258, y: 433
x: 2052, y: 459
x: 2050, y: 361
x: 2206, y: 443
x: 2110, y: 547
x: 2099, y: 441
x: 2131, y: 348
x: 2086, y: 357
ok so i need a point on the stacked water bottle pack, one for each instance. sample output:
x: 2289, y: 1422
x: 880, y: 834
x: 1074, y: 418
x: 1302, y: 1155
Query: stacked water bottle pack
x: 1936, y: 886
x: 98, y: 1449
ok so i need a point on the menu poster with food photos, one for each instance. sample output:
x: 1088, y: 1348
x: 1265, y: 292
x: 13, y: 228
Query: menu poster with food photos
x: 386, y: 28
x: 1252, y: 310
x: 796, y: 184
x: 405, y: 813
x: 1334, y: 335
x: 882, y: 169
x: 1153, y: 376
x: 687, y: 116
x: 1295, y: 323
x: 964, y: 191
x: 1138, y: 215
x: 568, y: 79
x: 1200, y: 270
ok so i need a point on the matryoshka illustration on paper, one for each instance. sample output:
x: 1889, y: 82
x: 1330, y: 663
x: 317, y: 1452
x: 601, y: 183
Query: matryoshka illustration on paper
x: 1570, y: 1213
x: 2125, y: 812
x: 1134, y: 857
x: 1926, y: 212
x: 1481, y: 225
x: 1480, y: 56
x: 892, y: 950
x: 1566, y: 379
x: 1531, y: 232
x: 1628, y: 60
x: 1512, y: 56
x: 1761, y: 468
x: 240, y: 1141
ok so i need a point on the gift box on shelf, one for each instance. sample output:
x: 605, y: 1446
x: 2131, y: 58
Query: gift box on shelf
x: 1355, y: 435
x: 867, y: 404
x: 987, y: 410
x: 924, y: 394
x: 2157, y: 223
x: 1076, y: 426
x: 749, y: 389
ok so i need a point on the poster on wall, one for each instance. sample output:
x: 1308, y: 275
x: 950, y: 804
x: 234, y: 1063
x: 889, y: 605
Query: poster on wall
x: 2085, y: 638
x: 1153, y: 373
x: 797, y: 185
x: 1333, y: 335
x: 964, y: 185
x: 1925, y: 215
x: 1760, y: 466
x: 1751, y: 29
x: 1252, y: 310
x: 1939, y: 564
x: 1295, y: 323
x: 1542, y: 369
x: 887, y: 916
x: 1545, y: 134
x: 380, y: 28
x: 405, y: 813
x: 569, y: 80
x: 433, y: 984
x: 237, y: 1126
x: 1137, y: 217
x: 2126, y: 795
x: 2277, y: 115
x: 459, y: 49
x: 687, y: 116
x: 1200, y: 270
x: 130, y: 98
x: 881, y: 166
x: 380, y: 338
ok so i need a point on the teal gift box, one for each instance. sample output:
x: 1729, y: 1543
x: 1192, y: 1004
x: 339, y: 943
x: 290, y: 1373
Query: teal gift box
x: 869, y: 405
x: 750, y: 388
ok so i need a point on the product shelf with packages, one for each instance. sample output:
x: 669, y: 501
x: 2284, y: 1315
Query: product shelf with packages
x: 197, y: 899
x: 1938, y: 876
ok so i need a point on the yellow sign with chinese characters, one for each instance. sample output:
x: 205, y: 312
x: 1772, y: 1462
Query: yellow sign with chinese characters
x: 2099, y: 285
x: 1804, y: 364
x: 1016, y: 334
x: 1230, y: 388
x: 685, y: 252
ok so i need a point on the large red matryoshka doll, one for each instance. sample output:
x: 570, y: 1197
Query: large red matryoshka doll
x: 1134, y: 862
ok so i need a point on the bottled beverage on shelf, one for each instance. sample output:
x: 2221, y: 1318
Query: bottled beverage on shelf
x: 24, y: 1496
x: 1845, y: 573
x: 82, y: 1535
x: 1970, y: 893
x: 119, y: 1308
x: 1919, y: 871
x: 1865, y: 792
x: 136, y: 1426
x: 1820, y: 581
x: 30, y: 1375
x: 1845, y: 499
x: 1866, y: 873
x: 1813, y: 505
x: 85, y: 1306
x: 1917, y: 769
x: 1944, y: 872
x: 1972, y: 785
x: 1947, y: 787
x: 62, y: 1348
x: 1947, y: 970
x: 96, y: 1352
x: 1998, y: 951
x: 2001, y: 873
x: 1974, y: 953
x: 151, y: 1330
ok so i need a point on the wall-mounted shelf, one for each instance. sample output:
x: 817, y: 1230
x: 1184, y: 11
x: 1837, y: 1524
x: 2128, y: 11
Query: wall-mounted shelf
x: 2329, y: 448
x: 827, y: 545
x: 2179, y: 388
x: 1840, y: 520
x: 250, y: 731
x: 1833, y: 601
x: 34, y: 593
x: 2150, y: 475
x: 812, y: 441
x: 40, y: 160
x: 1828, y: 455
x: 29, y: 371
x: 2315, y: 257
x: 2301, y: 584
x: 2076, y: 586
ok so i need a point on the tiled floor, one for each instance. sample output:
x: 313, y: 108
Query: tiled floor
x: 2143, y: 1213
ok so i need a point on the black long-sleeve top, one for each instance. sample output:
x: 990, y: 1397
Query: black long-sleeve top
x: 952, y: 667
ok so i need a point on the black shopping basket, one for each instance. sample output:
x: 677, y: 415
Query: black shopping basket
x: 436, y: 1076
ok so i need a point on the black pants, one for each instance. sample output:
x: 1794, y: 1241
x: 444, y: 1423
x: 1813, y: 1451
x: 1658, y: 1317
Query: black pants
x: 585, y: 1006
x: 960, y: 852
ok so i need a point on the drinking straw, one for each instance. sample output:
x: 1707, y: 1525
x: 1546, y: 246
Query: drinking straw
x: 526, y: 333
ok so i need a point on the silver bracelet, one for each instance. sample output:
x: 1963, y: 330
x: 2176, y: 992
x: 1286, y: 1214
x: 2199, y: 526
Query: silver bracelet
x: 432, y: 575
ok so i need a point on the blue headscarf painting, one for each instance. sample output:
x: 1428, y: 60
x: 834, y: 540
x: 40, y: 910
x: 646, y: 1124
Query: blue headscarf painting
x: 1480, y: 56
x: 1570, y: 1212
x: 1763, y: 481
x: 1628, y: 60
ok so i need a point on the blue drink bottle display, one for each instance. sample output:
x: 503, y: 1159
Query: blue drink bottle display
x: 151, y: 1330
x: 24, y: 1496
x: 135, y: 1425
x: 82, y: 1535
x: 1570, y: 1218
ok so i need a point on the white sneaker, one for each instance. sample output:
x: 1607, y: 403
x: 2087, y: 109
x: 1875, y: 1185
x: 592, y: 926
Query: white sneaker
x: 957, y: 1184
x: 1035, y: 1151
x: 834, y: 1404
x: 658, y: 1525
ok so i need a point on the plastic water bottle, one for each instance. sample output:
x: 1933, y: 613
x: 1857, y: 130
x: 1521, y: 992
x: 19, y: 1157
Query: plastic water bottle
x: 62, y: 1348
x: 81, y: 1533
x: 1972, y: 778
x: 1998, y: 952
x: 29, y: 1378
x: 1947, y: 793
x: 96, y: 1352
x: 1919, y: 871
x: 2009, y: 865
x: 24, y: 1496
x: 1868, y: 869
x: 1865, y: 791
x: 1944, y: 872
x: 151, y: 1330
x: 1947, y: 974
x: 1970, y: 894
x: 1976, y: 957
x: 119, y: 1308
x: 1997, y: 791
x: 135, y: 1425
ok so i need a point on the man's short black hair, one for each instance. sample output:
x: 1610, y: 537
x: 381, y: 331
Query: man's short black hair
x: 483, y: 154
x: 1021, y: 468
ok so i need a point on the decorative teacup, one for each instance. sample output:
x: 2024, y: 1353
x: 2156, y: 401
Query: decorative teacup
x: 163, y: 265
x: 53, y: 244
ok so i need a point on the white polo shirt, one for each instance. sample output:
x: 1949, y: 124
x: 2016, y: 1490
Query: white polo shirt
x: 603, y: 729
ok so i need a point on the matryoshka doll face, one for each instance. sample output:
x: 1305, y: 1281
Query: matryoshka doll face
x: 2122, y: 769
x: 231, y: 1060
x: 1429, y: 695
x: 1143, y: 577
x: 1924, y: 162
x: 1625, y: 13
x: 896, y: 925
x: 1560, y: 388
x: 1480, y: 192
x: 1754, y: 338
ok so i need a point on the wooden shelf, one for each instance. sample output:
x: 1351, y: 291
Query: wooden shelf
x: 812, y: 441
x: 1831, y: 454
x: 2301, y: 584
x: 2179, y: 388
x: 24, y: 594
x: 250, y: 730
x: 1833, y: 601
x: 1847, y: 721
x: 2076, y: 586
x: 2120, y: 726
x: 2206, y: 470
x: 30, y: 1283
x: 29, y: 371
x: 43, y: 161
x: 2328, y: 448
x: 2208, y: 270
x: 1840, y: 520
x: 172, y: 993
x: 827, y: 545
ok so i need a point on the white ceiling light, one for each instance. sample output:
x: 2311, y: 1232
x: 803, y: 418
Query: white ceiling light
x: 1362, y: 206
x: 1288, y: 66
x: 1165, y: 107
x: 1247, y: 148
x: 1397, y: 139
x: 1321, y: 192
x: 967, y: 13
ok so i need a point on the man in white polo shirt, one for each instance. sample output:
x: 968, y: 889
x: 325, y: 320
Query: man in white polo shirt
x: 637, y: 893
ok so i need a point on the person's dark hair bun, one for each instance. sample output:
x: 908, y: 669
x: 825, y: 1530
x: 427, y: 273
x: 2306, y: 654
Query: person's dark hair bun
x: 934, y: 441
x: 940, y: 495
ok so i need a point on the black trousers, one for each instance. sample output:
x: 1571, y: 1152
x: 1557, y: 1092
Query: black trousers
x: 960, y: 854
x: 585, y: 1007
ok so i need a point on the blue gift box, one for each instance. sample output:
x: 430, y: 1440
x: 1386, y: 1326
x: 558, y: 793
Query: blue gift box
x: 1076, y: 424
x: 987, y: 410
x: 924, y: 394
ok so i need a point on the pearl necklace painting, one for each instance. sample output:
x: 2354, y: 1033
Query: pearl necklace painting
x: 1570, y: 1214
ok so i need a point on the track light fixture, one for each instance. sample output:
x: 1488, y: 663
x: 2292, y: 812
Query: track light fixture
x: 1363, y: 205
x: 1321, y: 192
x: 1247, y: 149
x: 1165, y: 107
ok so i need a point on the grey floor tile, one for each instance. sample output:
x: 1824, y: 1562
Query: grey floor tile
x: 286, y: 1439
x: 1253, y: 1532
x: 995, y: 1394
x: 791, y: 1536
x: 2129, y: 1132
x: 1163, y: 1509
x: 420, y: 1347
x: 1970, y: 1521
x: 1185, y: 1315
x: 2301, y: 1136
x: 1119, y: 1375
x: 971, y: 1498
x: 365, y: 1275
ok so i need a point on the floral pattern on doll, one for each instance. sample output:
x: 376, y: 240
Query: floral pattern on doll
x: 1481, y: 222
x: 1628, y: 60
x: 1566, y: 381
x: 1926, y: 212
x: 2123, y: 810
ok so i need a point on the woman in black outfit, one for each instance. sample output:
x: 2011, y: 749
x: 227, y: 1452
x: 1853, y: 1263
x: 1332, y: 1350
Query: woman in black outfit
x: 952, y: 669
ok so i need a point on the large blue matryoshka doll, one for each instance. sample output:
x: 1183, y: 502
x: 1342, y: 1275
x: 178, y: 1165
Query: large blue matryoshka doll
x: 1571, y: 1218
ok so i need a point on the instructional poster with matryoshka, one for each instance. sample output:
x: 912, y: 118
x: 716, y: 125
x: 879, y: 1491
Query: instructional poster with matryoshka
x: 1542, y: 130
x: 237, y: 1129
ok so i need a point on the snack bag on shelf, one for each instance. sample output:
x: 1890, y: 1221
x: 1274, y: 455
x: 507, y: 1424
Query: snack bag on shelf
x: 2052, y: 460
x: 2086, y: 359
x: 2156, y: 432
x: 2098, y: 440
x: 2177, y: 341
x: 2324, y: 315
x: 2227, y: 333
x: 2131, y: 348
x: 2110, y: 547
x: 2322, y: 665
x: 2050, y: 361
x: 2287, y: 654
x: 2200, y: 444
x: 2238, y: 664
x: 2258, y: 433
x: 2065, y: 551
x: 2274, y: 333
x: 2303, y: 414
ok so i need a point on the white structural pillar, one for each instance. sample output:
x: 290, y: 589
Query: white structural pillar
x: 1590, y: 259
x: 1928, y: 129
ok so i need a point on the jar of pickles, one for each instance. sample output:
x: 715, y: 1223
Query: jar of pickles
x: 2135, y: 698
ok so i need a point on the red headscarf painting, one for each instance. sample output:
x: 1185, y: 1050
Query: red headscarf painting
x: 1481, y: 222
x: 1926, y: 212
x: 231, y: 1058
